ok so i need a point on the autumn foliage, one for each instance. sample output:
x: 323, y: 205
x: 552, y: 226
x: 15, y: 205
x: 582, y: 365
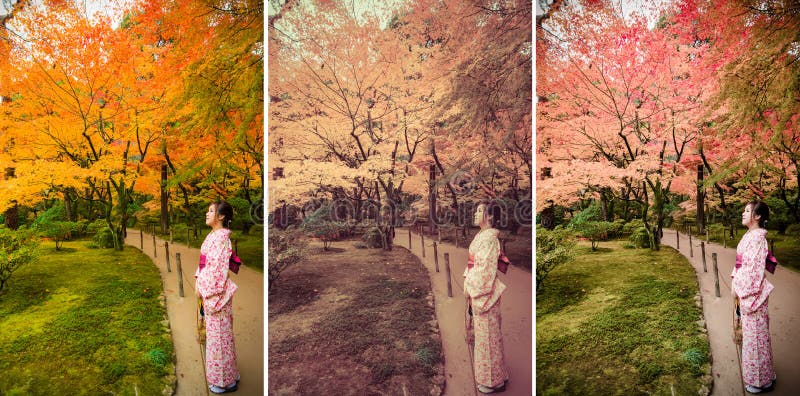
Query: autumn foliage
x: 630, y: 104
x: 364, y: 101
x: 95, y: 104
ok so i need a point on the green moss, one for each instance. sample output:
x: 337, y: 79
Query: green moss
x: 86, y: 320
x: 619, y: 322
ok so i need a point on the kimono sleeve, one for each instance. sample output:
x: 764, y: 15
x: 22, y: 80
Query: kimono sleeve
x: 748, y: 281
x: 211, y: 280
x: 480, y: 279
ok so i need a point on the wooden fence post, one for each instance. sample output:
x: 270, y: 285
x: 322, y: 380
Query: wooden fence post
x: 703, y: 250
x: 155, y: 248
x: 436, y: 256
x: 141, y: 239
x: 409, y: 238
x: 716, y: 274
x: 678, y: 238
x: 691, y: 250
x: 447, y: 270
x: 422, y: 243
x: 166, y: 251
x: 180, y: 274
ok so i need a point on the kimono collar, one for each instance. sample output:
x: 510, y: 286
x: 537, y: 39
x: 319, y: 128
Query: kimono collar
x: 224, y: 232
x: 489, y: 232
x: 758, y: 232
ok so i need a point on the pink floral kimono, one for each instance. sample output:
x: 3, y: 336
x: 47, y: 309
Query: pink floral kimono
x: 753, y: 290
x: 217, y: 291
x: 484, y: 289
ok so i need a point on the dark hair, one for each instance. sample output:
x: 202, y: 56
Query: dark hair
x: 761, y: 209
x: 494, y: 209
x: 225, y: 209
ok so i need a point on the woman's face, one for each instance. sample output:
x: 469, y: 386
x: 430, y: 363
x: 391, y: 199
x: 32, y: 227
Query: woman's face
x: 747, y: 216
x: 211, y: 216
x: 480, y: 212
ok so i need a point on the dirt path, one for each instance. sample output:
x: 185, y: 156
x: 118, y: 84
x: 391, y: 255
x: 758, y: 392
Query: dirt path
x: 248, y: 317
x: 517, y: 305
x: 784, y: 309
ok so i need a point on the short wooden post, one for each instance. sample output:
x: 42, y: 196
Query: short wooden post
x: 422, y: 243
x: 180, y: 274
x: 678, y: 238
x: 409, y: 238
x: 166, y: 251
x: 716, y: 274
x: 170, y: 237
x: 703, y: 250
x: 447, y: 271
x: 456, y: 238
x: 436, y: 256
x: 187, y: 236
x: 691, y: 249
x: 706, y: 235
x: 155, y: 248
x: 141, y: 239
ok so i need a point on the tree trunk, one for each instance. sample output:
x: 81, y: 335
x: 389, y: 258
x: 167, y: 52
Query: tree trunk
x: 164, y: 201
x: 701, y: 216
x: 432, y: 199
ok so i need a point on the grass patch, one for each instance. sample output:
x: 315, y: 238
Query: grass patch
x: 362, y: 324
x: 83, y: 320
x: 620, y: 321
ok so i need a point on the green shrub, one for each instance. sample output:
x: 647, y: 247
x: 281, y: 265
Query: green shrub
x: 617, y: 227
x: 640, y: 238
x: 319, y: 225
x: 95, y: 226
x: 104, y: 238
x: 57, y: 212
x: 553, y: 248
x: 59, y: 231
x: 631, y: 226
x: 285, y: 249
x: 592, y: 213
x: 372, y: 238
x: 595, y: 231
x: 17, y: 248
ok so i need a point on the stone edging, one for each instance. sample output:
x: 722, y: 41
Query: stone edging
x: 170, y: 380
x: 438, y: 380
x: 707, y: 379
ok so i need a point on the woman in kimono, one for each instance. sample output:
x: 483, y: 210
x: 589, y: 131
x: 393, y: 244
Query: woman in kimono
x: 752, y: 290
x: 483, y: 289
x: 216, y: 289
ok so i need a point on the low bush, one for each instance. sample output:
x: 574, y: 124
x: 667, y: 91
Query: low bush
x: 640, y: 238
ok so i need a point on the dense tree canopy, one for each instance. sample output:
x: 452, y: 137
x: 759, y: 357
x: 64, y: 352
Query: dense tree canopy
x: 95, y: 104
